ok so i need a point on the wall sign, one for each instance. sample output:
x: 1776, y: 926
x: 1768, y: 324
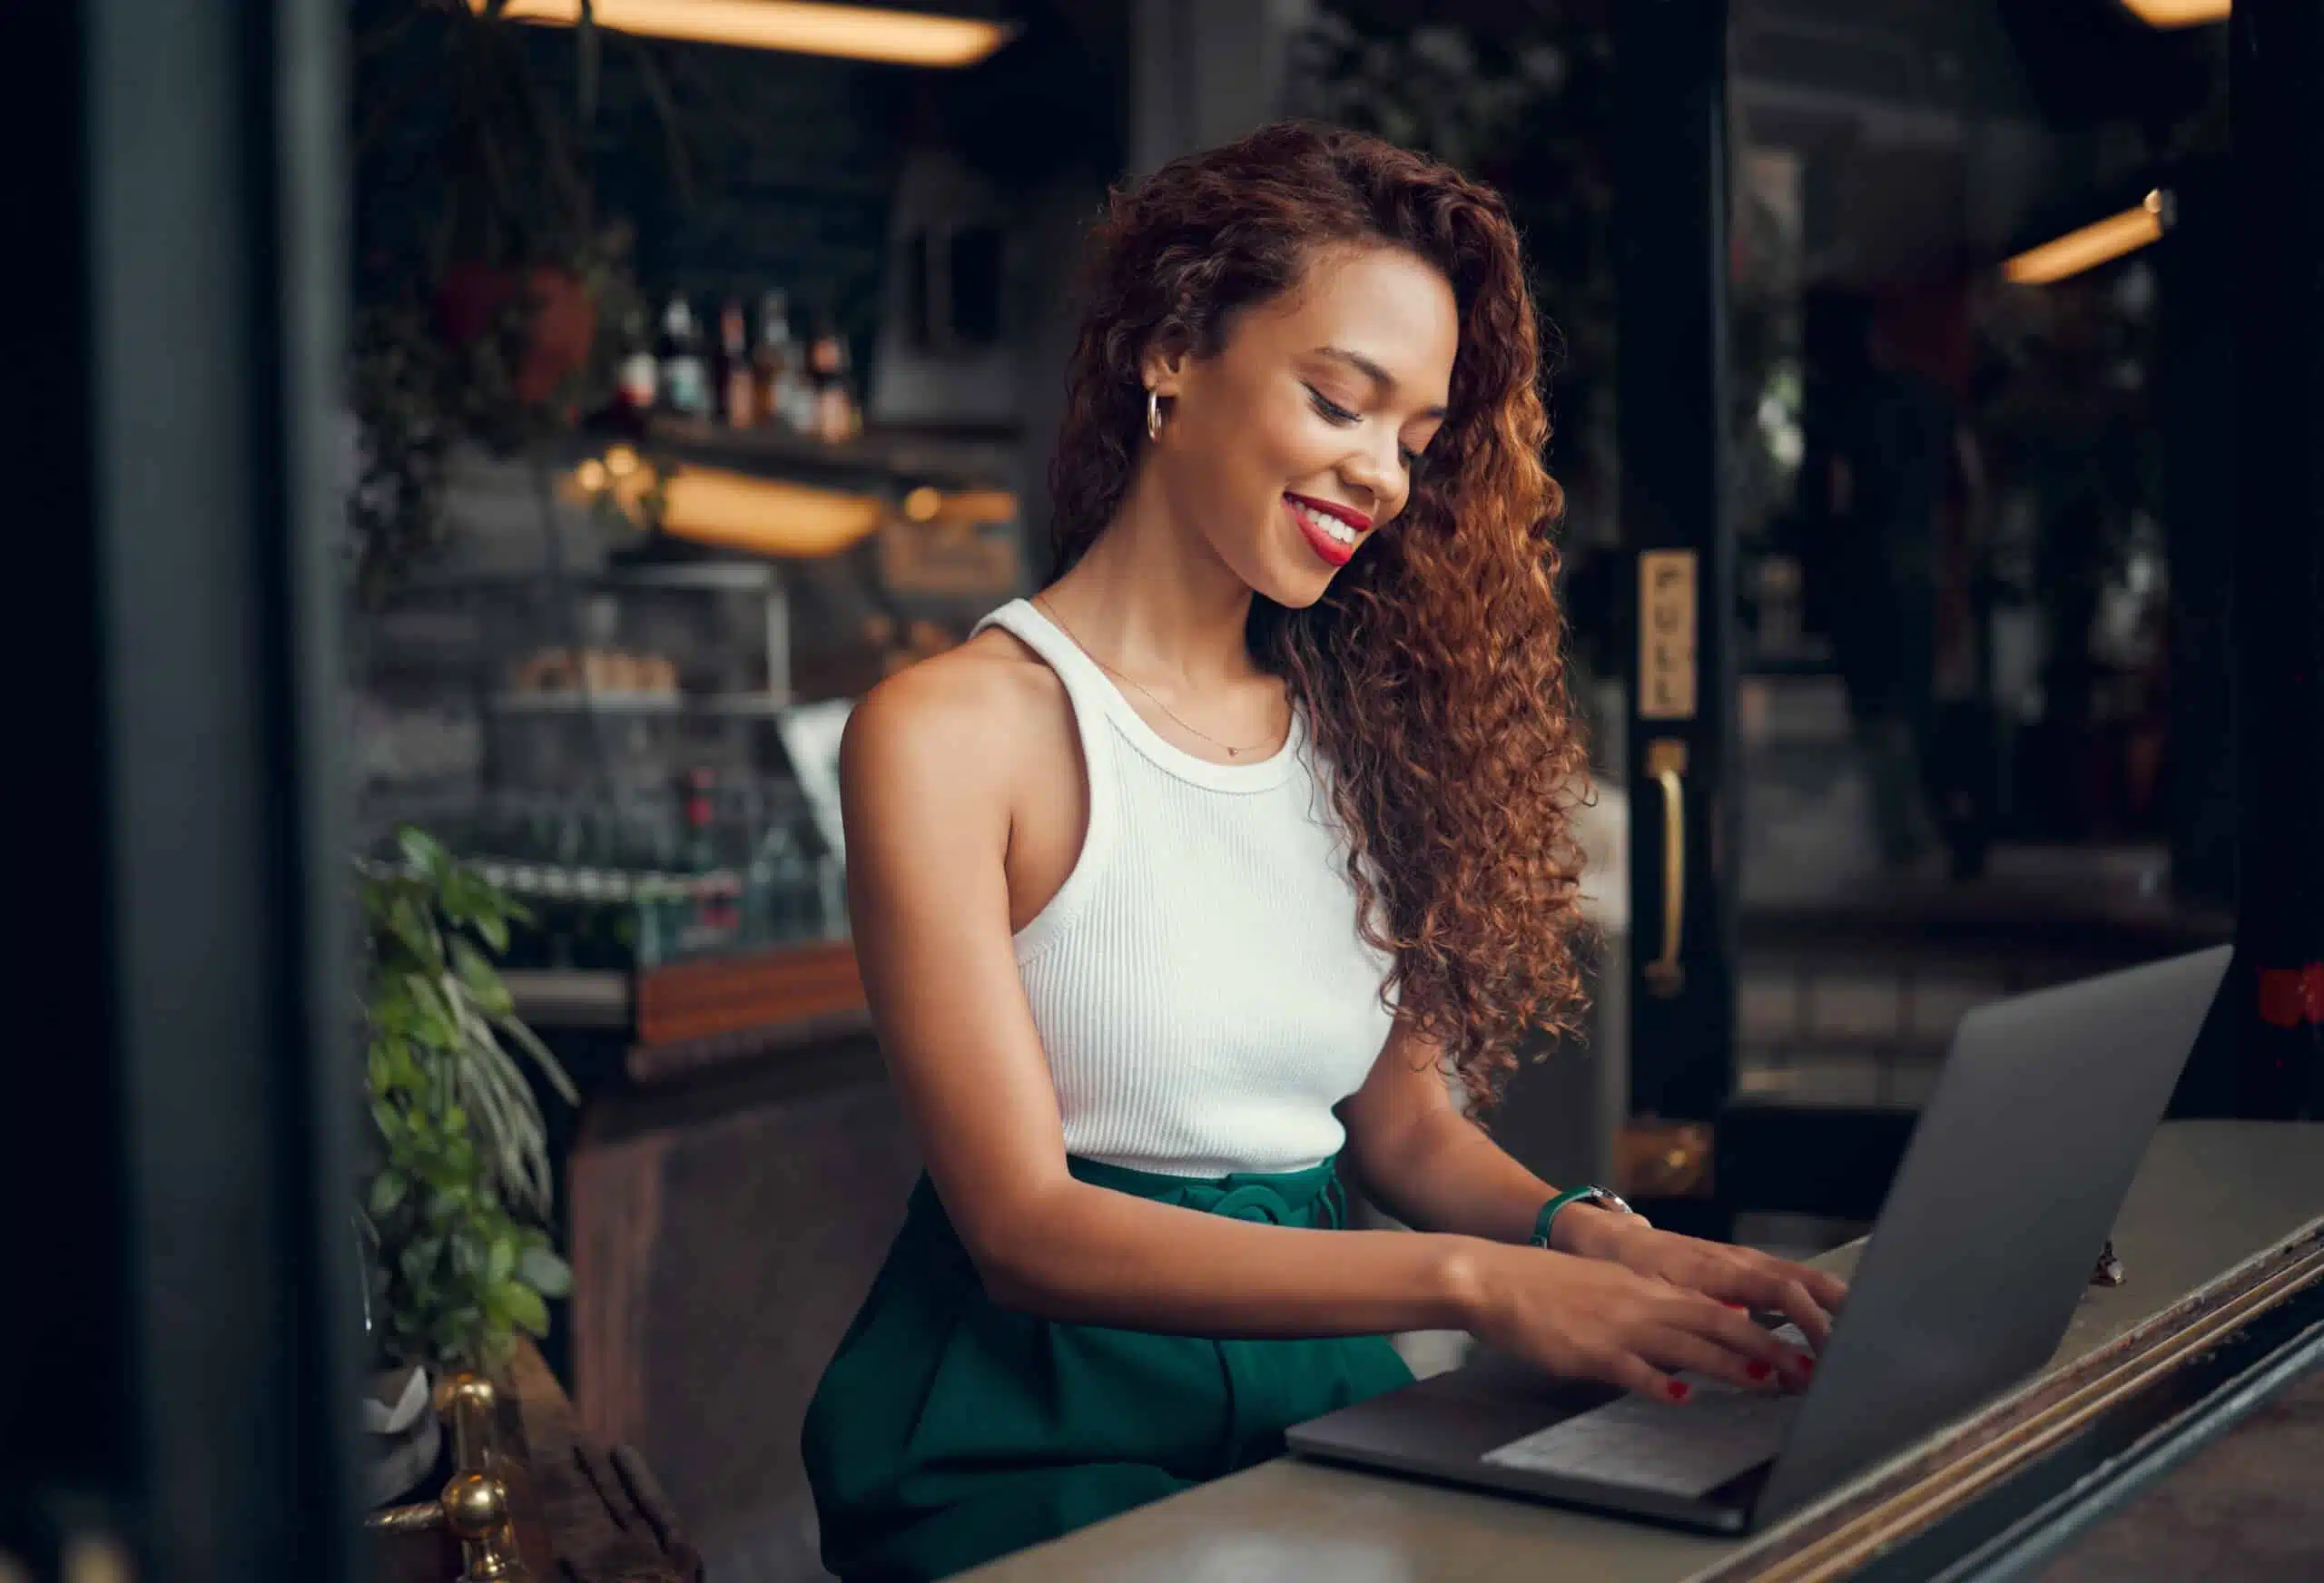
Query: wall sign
x: 1666, y: 634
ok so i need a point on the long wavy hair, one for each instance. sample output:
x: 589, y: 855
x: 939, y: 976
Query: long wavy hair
x: 1432, y: 672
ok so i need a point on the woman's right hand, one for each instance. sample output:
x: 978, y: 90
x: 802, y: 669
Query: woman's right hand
x: 1593, y: 1319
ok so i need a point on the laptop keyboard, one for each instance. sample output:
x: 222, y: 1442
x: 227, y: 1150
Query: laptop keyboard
x: 1686, y: 1451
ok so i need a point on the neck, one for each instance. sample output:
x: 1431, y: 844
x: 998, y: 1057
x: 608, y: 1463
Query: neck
x: 1153, y: 599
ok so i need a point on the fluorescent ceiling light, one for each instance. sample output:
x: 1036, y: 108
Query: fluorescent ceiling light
x: 2177, y: 13
x: 2092, y: 245
x: 860, y: 33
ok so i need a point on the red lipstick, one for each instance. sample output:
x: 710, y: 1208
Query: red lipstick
x: 1331, y: 548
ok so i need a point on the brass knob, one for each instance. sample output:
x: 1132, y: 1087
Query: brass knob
x: 470, y: 1390
x: 475, y: 1504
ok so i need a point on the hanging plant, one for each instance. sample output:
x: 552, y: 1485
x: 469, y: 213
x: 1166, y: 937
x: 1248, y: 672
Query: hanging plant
x: 487, y: 337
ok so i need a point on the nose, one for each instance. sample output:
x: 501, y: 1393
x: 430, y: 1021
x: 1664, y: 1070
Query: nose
x: 1376, y: 469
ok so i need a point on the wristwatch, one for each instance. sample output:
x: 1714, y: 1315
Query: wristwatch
x: 1594, y: 1195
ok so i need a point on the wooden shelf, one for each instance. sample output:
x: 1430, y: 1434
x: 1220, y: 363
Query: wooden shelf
x: 687, y: 1001
x: 686, y: 1018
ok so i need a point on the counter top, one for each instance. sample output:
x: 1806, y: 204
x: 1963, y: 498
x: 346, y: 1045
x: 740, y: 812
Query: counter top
x: 2209, y: 1197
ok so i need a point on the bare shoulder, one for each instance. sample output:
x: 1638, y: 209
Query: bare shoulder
x: 963, y: 723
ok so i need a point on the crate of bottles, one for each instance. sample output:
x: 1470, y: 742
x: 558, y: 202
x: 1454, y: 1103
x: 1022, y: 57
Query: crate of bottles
x: 642, y: 876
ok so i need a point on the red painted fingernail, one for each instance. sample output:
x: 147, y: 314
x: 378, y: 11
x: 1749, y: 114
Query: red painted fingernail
x: 1759, y: 1370
x: 1738, y: 1307
x: 1680, y: 1390
x: 1807, y: 1366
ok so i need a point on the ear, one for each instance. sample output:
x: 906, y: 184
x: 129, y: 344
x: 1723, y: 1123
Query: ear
x: 1163, y: 367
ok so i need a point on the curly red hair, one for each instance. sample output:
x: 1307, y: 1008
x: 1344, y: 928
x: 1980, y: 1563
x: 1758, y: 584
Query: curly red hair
x: 1432, y: 672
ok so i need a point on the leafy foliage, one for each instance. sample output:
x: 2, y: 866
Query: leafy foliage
x: 457, y: 1208
x: 464, y: 136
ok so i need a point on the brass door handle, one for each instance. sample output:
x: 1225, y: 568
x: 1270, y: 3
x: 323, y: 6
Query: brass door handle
x: 1666, y: 762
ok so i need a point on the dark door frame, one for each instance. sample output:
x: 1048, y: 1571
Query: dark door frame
x: 1671, y: 334
x: 181, y: 1105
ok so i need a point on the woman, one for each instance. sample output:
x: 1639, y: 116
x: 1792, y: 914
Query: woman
x: 1181, y: 887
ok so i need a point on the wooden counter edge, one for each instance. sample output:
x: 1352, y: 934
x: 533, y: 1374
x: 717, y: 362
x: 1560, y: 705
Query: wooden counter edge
x: 562, y: 1496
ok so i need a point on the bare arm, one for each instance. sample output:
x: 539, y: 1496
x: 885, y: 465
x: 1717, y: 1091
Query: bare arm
x: 1434, y: 1168
x: 926, y: 794
x: 1431, y: 1166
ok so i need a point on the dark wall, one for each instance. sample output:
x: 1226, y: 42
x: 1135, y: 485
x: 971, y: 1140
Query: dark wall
x: 743, y: 169
x: 789, y: 165
x: 738, y: 169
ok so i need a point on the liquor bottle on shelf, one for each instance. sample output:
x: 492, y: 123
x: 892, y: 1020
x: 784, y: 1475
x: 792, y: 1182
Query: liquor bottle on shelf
x: 700, y: 852
x: 619, y: 937
x: 527, y: 942
x: 640, y: 377
x: 685, y: 381
x: 784, y: 883
x: 786, y: 399
x: 554, y: 913
x: 737, y: 380
x: 659, y: 913
x: 587, y: 912
x: 835, y: 414
x: 716, y: 916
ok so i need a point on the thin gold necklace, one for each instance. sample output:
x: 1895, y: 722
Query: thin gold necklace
x: 1231, y: 750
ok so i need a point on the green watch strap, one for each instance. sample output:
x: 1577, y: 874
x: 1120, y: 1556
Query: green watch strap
x: 1586, y: 1194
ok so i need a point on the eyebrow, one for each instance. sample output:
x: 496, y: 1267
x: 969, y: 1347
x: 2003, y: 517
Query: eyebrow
x: 1370, y: 370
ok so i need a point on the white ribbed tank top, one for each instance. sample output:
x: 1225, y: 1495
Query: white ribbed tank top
x: 1198, y: 982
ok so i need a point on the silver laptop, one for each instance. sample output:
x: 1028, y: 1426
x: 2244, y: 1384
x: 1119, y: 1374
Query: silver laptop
x: 2006, y: 1197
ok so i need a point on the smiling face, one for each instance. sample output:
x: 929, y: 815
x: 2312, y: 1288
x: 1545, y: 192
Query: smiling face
x: 1296, y: 441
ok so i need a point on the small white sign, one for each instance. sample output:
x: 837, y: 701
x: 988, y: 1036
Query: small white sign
x: 810, y: 736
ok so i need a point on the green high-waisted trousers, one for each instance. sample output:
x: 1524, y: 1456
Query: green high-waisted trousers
x: 949, y: 1430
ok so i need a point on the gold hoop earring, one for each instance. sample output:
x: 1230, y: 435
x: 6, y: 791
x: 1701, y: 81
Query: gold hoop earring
x: 1154, y: 415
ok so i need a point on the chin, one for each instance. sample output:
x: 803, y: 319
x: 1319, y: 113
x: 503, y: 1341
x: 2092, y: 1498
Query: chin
x: 1297, y: 593
x: 1293, y: 587
x: 1272, y: 575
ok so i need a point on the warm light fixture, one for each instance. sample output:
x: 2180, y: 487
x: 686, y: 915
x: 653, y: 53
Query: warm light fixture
x: 2177, y: 13
x: 766, y: 516
x: 2092, y: 245
x: 860, y: 33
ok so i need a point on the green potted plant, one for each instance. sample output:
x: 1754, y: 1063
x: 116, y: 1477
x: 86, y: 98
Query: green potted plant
x: 457, y: 1208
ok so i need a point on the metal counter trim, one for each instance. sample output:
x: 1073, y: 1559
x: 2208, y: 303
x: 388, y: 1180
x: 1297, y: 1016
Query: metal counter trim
x: 1942, y: 1475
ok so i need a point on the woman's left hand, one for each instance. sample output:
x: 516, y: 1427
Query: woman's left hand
x: 1739, y: 1277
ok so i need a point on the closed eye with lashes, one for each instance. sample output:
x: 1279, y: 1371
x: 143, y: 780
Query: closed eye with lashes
x: 1333, y: 412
